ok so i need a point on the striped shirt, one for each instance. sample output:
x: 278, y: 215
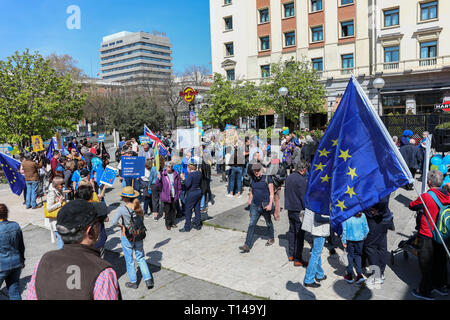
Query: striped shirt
x: 106, y: 285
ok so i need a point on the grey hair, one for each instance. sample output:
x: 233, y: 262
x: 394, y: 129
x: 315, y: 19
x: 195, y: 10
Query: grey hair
x: 435, y: 178
x: 169, y: 164
x: 71, y: 238
x: 302, y: 165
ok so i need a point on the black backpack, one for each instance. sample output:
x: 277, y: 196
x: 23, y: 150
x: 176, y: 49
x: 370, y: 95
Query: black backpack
x: 136, y: 231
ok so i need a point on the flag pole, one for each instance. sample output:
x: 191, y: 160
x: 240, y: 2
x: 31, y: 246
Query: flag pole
x: 432, y: 221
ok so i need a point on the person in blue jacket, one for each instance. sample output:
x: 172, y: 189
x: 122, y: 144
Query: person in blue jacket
x: 193, y: 197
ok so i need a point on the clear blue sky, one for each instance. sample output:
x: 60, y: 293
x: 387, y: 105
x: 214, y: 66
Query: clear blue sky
x: 41, y: 25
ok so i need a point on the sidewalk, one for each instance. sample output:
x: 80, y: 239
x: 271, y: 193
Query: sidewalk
x: 212, y: 257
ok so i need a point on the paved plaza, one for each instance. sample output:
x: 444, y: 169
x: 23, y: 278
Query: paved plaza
x: 207, y: 264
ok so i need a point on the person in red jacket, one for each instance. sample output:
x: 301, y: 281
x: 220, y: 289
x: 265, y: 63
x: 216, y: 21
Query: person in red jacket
x: 54, y: 164
x: 431, y: 255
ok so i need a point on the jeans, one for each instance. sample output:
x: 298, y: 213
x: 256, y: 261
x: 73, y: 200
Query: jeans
x: 296, y: 236
x: 32, y: 187
x: 354, y: 250
x: 60, y: 242
x: 314, y: 269
x: 235, y: 177
x: 255, y: 214
x: 12, y: 277
x: 138, y: 248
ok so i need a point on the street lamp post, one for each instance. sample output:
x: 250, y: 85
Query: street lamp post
x: 283, y: 91
x: 378, y: 84
x: 198, y: 100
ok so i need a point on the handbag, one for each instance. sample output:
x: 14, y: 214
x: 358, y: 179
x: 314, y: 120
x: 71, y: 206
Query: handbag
x: 52, y: 214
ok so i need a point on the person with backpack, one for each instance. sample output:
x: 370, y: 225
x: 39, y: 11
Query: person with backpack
x: 261, y: 203
x: 431, y: 254
x: 132, y: 236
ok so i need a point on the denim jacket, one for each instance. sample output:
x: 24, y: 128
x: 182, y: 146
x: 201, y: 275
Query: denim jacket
x: 12, y: 248
x: 355, y: 229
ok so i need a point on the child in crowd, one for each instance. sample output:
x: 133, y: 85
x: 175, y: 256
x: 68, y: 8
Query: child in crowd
x: 354, y: 231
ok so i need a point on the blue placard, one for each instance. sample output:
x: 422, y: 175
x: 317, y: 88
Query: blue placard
x: 145, y: 139
x: 109, y: 175
x: 133, y: 167
x: 101, y: 138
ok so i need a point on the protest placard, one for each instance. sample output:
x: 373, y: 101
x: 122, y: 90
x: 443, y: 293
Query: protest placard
x: 109, y: 175
x: 133, y: 167
x: 145, y: 139
x: 37, y: 143
x: 101, y: 138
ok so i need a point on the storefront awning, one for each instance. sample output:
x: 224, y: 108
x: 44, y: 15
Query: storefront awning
x: 413, y: 90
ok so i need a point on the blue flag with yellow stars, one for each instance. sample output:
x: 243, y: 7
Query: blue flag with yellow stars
x: 11, y: 169
x: 356, y: 164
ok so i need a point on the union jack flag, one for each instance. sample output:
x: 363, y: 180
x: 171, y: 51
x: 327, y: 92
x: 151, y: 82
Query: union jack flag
x: 157, y: 141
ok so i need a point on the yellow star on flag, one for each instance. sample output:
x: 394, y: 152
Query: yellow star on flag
x: 326, y: 178
x: 324, y: 152
x: 344, y: 155
x: 350, y: 191
x: 341, y: 205
x: 335, y: 142
x: 320, y: 166
x: 352, y: 172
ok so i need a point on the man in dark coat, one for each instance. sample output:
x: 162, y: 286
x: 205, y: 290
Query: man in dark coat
x: 410, y: 153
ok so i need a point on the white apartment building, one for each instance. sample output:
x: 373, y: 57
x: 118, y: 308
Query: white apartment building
x: 137, y: 57
x: 339, y: 37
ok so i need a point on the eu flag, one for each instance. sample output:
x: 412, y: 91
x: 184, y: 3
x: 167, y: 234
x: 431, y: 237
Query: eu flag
x: 11, y: 169
x: 50, y: 150
x: 356, y: 164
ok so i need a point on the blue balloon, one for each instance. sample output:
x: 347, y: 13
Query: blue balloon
x: 10, y: 149
x: 436, y: 161
x: 446, y: 160
x: 439, y: 156
x: 446, y: 180
x: 443, y: 168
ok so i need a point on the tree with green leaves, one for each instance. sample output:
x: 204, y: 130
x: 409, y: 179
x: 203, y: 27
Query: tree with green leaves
x: 305, y: 92
x: 228, y: 101
x: 35, y: 100
x: 129, y: 114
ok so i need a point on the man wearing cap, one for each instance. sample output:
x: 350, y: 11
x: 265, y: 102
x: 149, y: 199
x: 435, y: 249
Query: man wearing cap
x: 76, y: 272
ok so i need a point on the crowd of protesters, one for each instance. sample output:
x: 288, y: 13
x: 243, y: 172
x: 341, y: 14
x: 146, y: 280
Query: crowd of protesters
x: 178, y: 185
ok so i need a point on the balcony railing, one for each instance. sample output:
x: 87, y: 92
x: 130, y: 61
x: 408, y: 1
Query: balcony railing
x: 347, y: 71
x: 390, y: 65
x: 428, y: 62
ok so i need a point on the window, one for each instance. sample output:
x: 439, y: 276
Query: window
x: 265, y: 71
x: 230, y: 75
x: 317, y: 64
x: 347, y: 61
x: 344, y: 2
x: 428, y: 10
x: 391, y: 17
x: 229, y: 49
x: 227, y: 2
x: 317, y: 34
x: 228, y: 23
x: 428, y: 50
x: 264, y: 15
x: 289, y: 39
x: 347, y: 29
x: 391, y: 54
x: 289, y: 10
x: 316, y: 5
x: 265, y: 43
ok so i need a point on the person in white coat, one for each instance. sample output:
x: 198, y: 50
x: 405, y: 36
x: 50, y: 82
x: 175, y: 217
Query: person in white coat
x: 55, y: 200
